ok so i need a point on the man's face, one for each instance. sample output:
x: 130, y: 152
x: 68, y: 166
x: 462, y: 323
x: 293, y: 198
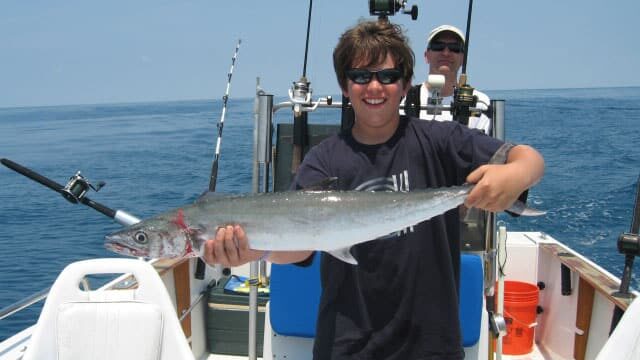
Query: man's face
x: 444, y: 62
x: 376, y: 104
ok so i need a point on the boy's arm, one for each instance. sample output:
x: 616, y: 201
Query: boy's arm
x: 498, y: 186
x: 231, y: 248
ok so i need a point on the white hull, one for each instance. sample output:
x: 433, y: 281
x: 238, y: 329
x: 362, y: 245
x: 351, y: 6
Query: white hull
x: 532, y: 257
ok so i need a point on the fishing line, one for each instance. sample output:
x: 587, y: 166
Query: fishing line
x: 214, y: 168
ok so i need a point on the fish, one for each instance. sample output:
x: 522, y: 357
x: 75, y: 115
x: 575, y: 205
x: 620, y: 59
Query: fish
x: 329, y: 221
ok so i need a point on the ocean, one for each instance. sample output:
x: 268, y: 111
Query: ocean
x: 155, y: 156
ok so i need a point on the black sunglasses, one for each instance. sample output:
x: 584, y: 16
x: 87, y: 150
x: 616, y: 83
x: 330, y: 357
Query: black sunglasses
x: 364, y: 76
x: 439, y: 46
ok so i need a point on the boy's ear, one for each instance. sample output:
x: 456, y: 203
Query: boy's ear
x: 406, y: 88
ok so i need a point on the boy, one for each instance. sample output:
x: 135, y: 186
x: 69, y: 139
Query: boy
x: 400, y: 301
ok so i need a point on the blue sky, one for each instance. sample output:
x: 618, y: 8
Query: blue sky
x: 82, y: 52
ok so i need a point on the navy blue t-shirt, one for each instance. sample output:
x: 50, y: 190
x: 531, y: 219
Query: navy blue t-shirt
x: 400, y: 301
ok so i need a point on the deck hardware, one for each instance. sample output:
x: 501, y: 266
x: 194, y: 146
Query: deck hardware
x: 497, y: 325
x: 565, y: 277
x: 541, y: 285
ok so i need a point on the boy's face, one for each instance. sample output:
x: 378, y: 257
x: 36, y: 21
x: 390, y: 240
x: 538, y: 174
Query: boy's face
x: 376, y: 105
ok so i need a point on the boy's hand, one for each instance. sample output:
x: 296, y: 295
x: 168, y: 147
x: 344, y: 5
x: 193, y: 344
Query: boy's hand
x: 230, y: 248
x: 498, y: 186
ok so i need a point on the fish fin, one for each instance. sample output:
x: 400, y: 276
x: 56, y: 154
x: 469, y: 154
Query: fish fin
x: 210, y: 195
x: 330, y: 183
x: 521, y: 209
x: 344, y: 254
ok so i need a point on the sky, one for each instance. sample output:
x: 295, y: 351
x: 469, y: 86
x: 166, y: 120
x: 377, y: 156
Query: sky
x: 90, y: 52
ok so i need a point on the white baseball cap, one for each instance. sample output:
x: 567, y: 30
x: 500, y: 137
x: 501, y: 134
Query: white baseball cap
x: 444, y: 28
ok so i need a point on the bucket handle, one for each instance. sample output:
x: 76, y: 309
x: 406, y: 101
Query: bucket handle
x: 533, y: 324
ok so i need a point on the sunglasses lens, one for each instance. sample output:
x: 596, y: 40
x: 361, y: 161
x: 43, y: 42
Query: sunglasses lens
x: 456, y: 48
x: 363, y: 76
x: 359, y: 76
x: 388, y: 76
x: 439, y: 46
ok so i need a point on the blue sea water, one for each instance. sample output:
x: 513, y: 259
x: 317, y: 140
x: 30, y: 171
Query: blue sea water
x: 155, y: 156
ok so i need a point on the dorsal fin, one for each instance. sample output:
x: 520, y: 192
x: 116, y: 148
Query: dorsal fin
x: 327, y: 184
x: 210, y: 195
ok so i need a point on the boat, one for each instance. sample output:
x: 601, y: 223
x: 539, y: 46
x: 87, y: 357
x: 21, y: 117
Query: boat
x: 568, y: 307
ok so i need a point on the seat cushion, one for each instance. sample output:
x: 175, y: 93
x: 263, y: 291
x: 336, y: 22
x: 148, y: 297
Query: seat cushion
x: 471, y: 296
x: 295, y: 297
x: 114, y: 330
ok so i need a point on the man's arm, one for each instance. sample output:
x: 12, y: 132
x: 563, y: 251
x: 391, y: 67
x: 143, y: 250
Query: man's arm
x: 498, y: 186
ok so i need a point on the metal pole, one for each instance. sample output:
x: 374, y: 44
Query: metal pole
x: 262, y: 159
x: 497, y: 129
x: 498, y: 119
x: 24, y: 303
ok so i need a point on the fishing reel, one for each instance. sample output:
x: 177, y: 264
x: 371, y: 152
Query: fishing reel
x: 463, y: 102
x: 384, y: 8
x: 300, y: 95
x: 77, y: 188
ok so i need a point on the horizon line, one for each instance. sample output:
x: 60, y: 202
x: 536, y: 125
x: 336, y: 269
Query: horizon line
x: 4, y: 107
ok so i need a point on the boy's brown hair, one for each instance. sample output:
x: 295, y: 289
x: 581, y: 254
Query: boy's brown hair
x: 368, y: 43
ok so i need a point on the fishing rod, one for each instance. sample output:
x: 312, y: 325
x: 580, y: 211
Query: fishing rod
x: 629, y: 246
x: 463, y: 74
x: 213, y: 179
x: 463, y: 98
x: 214, y: 167
x: 75, y: 191
x: 300, y: 95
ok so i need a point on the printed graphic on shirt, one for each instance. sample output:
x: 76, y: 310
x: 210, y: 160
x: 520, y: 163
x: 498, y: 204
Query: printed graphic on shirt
x: 396, y: 182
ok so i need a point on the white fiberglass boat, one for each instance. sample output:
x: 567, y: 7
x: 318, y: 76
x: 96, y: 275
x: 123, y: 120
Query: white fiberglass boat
x: 561, y: 305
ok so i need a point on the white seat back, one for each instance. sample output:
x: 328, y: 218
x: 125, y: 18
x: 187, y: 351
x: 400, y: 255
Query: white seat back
x: 624, y: 342
x: 108, y: 324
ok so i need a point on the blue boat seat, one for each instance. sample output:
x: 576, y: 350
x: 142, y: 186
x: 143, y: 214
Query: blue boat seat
x: 295, y: 297
x: 471, y: 298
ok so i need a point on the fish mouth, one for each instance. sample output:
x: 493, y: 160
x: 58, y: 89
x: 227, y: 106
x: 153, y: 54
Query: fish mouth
x: 113, y: 244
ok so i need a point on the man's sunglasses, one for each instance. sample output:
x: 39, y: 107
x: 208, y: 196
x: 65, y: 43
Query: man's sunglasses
x: 364, y: 76
x: 439, y: 46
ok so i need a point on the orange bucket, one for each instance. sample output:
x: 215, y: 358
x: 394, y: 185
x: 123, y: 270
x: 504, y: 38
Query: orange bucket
x: 520, y: 305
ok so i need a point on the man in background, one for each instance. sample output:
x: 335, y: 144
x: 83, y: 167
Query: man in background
x: 444, y: 55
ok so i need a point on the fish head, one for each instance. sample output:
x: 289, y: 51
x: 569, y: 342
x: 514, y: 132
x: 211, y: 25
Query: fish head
x: 160, y: 237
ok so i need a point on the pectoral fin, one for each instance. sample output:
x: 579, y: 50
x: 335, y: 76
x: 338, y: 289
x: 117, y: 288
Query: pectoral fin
x: 344, y: 254
x: 521, y: 209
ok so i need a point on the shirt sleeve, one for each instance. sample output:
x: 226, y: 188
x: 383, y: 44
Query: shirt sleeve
x: 313, y: 169
x: 467, y: 149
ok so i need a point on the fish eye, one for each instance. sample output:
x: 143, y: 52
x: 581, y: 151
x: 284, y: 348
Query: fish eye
x: 140, y: 237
